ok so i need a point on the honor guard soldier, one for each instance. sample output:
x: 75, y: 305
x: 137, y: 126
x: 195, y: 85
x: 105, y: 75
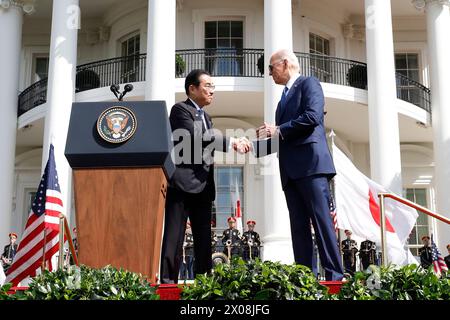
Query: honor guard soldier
x: 349, y: 250
x: 231, y: 239
x: 368, y: 253
x: 425, y: 253
x: 9, y: 252
x: 251, y: 242
x: 187, y: 262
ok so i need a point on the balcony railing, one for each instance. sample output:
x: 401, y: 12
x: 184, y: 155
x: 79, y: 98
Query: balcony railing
x: 223, y: 62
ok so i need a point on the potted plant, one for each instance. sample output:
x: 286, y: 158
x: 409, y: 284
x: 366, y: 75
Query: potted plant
x: 180, y: 65
x: 357, y: 76
x: 260, y: 64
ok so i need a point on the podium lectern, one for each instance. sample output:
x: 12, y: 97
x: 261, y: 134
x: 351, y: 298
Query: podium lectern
x: 120, y: 187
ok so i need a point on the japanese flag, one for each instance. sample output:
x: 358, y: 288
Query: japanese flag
x: 357, y: 209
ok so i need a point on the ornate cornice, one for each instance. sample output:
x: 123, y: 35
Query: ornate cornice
x: 421, y: 4
x: 28, y: 6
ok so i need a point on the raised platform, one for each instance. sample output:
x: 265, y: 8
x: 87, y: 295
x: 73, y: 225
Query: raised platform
x: 173, y: 291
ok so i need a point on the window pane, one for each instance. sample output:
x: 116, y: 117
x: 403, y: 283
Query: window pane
x: 421, y: 231
x: 403, y: 72
x: 237, y: 29
x: 130, y: 46
x: 225, y: 179
x: 326, y: 47
x: 422, y: 219
x: 236, y: 43
x: 42, y: 67
x: 137, y: 46
x: 124, y: 48
x: 413, y: 61
x: 413, y: 75
x: 223, y: 29
x: 319, y: 44
x: 223, y: 43
x: 312, y: 43
x: 400, y: 61
x: 413, y: 236
x: 210, y: 44
x: 210, y: 29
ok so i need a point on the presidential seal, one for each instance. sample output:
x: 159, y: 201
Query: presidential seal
x: 116, y: 124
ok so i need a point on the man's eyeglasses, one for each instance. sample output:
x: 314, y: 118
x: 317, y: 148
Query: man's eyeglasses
x: 273, y: 65
x: 210, y: 86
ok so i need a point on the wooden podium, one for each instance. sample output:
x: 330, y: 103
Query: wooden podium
x: 120, y: 188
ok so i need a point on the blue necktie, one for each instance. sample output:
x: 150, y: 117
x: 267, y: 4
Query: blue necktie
x: 284, y: 95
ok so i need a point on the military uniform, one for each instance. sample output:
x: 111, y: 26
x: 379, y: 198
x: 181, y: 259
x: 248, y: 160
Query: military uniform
x: 425, y: 257
x: 256, y: 242
x: 368, y: 253
x: 187, y: 262
x: 9, y: 252
x: 349, y: 249
x: 447, y: 261
x: 213, y: 241
x: 235, y: 237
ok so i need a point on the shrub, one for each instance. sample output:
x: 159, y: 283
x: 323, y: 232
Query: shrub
x: 260, y: 64
x: 180, y: 65
x: 86, y: 283
x: 357, y: 76
x: 256, y: 280
x: 410, y: 282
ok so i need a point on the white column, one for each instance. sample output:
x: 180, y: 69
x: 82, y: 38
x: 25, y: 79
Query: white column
x: 11, y: 38
x: 277, y: 234
x: 385, y: 164
x: 61, y: 90
x: 160, y: 66
x: 438, y: 27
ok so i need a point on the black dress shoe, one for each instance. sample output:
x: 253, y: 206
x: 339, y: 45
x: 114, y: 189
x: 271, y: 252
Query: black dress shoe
x: 167, y: 281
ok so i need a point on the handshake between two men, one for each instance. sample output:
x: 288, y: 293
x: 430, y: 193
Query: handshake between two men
x: 243, y: 145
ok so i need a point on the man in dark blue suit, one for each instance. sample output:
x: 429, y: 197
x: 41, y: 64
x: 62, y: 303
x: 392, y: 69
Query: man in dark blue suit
x: 305, y: 163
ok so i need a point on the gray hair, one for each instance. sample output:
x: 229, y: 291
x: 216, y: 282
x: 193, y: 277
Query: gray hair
x: 290, y: 57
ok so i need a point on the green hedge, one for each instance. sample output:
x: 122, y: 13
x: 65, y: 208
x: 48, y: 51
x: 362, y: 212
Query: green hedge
x: 85, y: 283
x: 256, y: 280
x: 410, y: 282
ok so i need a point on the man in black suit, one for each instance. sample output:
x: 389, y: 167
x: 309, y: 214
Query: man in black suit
x: 305, y: 162
x: 191, y: 189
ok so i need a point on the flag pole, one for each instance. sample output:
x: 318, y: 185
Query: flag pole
x: 383, y: 230
x: 43, y: 251
x: 61, y: 242
x: 333, y: 194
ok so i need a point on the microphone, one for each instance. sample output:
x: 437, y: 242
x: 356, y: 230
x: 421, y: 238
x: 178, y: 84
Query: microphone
x: 115, y: 89
x: 128, y: 87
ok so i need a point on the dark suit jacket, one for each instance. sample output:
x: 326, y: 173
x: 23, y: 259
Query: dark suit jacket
x: 194, y: 172
x: 303, y: 149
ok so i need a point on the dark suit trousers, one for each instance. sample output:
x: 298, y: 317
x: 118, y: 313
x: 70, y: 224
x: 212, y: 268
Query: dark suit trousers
x: 179, y: 206
x: 308, y: 201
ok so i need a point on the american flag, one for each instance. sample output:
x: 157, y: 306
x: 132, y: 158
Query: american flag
x: 439, y: 264
x: 333, y: 213
x: 42, y: 228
